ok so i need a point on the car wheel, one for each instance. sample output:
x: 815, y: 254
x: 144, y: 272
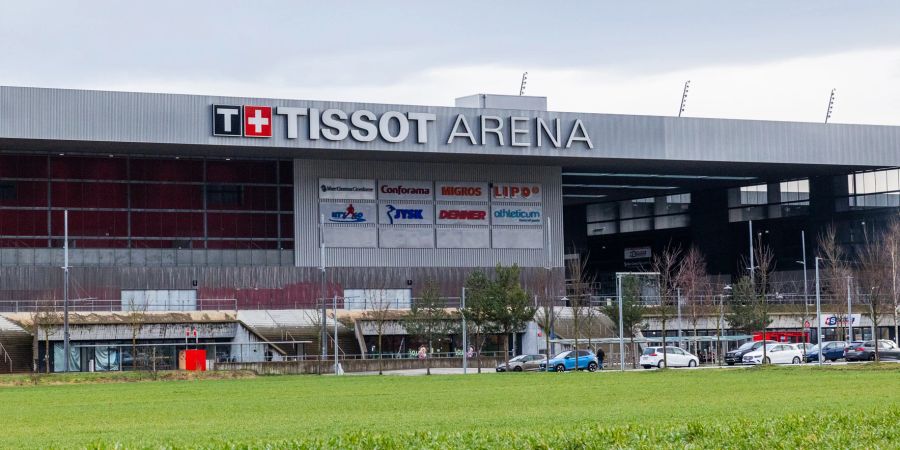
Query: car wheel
x: 646, y: 367
x: 661, y: 365
x: 767, y: 360
x: 692, y: 363
x: 517, y: 369
x: 560, y: 368
x: 592, y: 366
x: 796, y: 360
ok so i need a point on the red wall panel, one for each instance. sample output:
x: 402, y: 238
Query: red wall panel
x: 88, y: 168
x: 16, y: 166
x: 167, y: 170
x: 88, y: 195
x: 23, y: 223
x: 166, y: 196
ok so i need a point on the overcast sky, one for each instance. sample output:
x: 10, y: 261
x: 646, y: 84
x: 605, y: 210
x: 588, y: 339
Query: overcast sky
x: 757, y: 59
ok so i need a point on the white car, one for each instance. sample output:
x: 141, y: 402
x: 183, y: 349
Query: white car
x: 675, y: 357
x: 775, y: 354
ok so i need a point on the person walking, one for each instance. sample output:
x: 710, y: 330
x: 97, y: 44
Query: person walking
x: 601, y: 355
x: 423, y: 352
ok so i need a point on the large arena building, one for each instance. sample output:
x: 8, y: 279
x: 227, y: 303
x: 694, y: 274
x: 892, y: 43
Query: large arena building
x: 198, y: 200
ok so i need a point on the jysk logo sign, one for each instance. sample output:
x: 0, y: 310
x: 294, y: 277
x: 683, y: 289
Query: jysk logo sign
x: 392, y: 214
x: 242, y: 120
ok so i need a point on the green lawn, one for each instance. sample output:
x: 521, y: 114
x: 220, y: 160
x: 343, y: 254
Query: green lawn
x: 781, y: 407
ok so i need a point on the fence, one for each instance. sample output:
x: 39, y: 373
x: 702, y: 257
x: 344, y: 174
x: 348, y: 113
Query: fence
x: 100, y: 305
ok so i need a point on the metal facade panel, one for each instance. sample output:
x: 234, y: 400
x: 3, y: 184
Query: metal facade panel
x: 306, y: 201
x: 127, y: 117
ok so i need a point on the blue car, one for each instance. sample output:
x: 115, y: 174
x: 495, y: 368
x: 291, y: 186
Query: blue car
x: 566, y: 361
x: 833, y: 351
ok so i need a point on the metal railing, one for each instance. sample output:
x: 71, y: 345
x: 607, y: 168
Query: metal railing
x: 99, y: 305
x: 6, y: 357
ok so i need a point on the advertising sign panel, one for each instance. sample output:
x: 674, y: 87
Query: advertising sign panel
x: 632, y: 253
x: 405, y: 190
x: 404, y: 214
x: 461, y: 190
x: 346, y: 188
x: 516, y: 215
x: 516, y: 192
x: 348, y: 212
x: 462, y: 214
x: 840, y: 320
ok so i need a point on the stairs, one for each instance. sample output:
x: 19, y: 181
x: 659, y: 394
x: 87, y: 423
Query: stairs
x: 297, y: 325
x: 15, y: 348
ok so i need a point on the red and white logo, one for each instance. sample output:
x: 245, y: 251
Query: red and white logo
x: 257, y: 121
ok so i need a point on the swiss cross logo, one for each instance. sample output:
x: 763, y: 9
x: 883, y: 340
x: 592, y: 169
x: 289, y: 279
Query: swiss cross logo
x: 257, y: 121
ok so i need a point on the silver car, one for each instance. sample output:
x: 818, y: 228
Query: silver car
x: 523, y: 363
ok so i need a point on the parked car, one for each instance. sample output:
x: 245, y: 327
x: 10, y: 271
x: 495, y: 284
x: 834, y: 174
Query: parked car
x: 833, y: 351
x: 804, y: 347
x: 564, y: 361
x: 736, y: 356
x: 887, y: 349
x: 775, y: 354
x: 523, y: 363
x: 674, y: 357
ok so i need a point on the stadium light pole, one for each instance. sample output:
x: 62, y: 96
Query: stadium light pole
x: 818, y: 311
x: 66, y: 356
x: 465, y: 345
x: 324, y: 335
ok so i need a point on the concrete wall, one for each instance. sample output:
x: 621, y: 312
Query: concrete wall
x: 355, y: 365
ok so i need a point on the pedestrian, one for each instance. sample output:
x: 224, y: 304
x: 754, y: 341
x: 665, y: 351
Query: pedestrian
x: 423, y: 352
x: 601, y: 355
x: 470, y: 352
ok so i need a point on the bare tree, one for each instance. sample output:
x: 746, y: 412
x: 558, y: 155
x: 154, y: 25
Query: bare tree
x: 765, y: 265
x: 836, y: 270
x: 44, y: 318
x: 428, y: 319
x: 632, y: 310
x: 892, y: 245
x: 666, y: 265
x: 379, y: 311
x: 873, y: 275
x: 579, y: 293
x: 546, y: 306
x: 692, y: 280
x: 136, y: 316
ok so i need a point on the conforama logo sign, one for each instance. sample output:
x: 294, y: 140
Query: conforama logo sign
x: 242, y: 120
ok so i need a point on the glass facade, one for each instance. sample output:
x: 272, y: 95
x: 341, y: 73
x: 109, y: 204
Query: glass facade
x: 876, y: 189
x: 642, y: 214
x: 768, y: 201
x: 131, y: 202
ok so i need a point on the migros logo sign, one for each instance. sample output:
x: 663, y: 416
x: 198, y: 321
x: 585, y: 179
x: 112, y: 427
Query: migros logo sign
x: 461, y: 191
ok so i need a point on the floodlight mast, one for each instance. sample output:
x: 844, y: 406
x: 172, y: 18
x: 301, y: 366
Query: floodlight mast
x: 830, y: 106
x: 522, y: 85
x: 684, y: 93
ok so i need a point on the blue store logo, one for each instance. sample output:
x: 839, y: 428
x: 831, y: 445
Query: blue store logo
x: 394, y: 213
x: 518, y: 215
x: 349, y: 215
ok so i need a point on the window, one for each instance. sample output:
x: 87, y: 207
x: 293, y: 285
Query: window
x: 7, y: 190
x: 876, y: 189
x: 218, y: 194
x: 641, y: 214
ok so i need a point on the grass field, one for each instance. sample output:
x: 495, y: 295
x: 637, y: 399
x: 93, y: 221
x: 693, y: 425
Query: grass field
x: 754, y: 408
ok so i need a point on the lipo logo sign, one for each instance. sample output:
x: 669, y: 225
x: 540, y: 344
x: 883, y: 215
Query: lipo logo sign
x: 516, y: 192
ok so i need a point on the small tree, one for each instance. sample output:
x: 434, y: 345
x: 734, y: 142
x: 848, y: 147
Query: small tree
x: 836, y: 270
x: 765, y: 265
x: 137, y: 315
x: 428, y: 319
x: 579, y: 298
x: 632, y: 310
x: 745, y: 312
x: 692, y: 280
x: 546, y: 306
x: 379, y: 311
x: 665, y: 264
x: 510, y: 308
x: 44, y: 318
x: 478, y: 309
x: 873, y: 275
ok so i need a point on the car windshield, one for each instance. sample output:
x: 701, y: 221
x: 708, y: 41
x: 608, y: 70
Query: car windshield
x: 517, y: 358
x: 649, y: 350
x: 747, y: 346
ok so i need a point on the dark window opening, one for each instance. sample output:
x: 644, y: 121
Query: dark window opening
x: 230, y: 195
x: 7, y: 190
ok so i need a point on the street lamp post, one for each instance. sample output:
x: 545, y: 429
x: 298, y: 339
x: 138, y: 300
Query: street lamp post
x: 818, y: 311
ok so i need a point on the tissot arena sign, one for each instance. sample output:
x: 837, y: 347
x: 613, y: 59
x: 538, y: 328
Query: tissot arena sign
x: 430, y: 214
x: 394, y: 127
